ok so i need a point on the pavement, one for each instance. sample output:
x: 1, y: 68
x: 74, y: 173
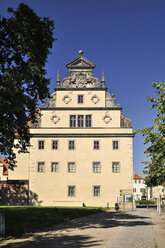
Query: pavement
x: 158, y: 227
x: 141, y: 228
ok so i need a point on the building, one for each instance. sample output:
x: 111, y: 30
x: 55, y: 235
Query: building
x: 139, y: 187
x: 150, y: 193
x: 81, y: 146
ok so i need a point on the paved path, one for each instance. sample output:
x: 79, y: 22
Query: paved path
x: 104, y: 230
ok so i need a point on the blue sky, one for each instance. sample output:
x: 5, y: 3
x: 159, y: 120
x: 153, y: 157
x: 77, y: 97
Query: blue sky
x: 125, y: 38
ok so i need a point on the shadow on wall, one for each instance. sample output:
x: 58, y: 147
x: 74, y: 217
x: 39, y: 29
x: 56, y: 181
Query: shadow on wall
x: 16, y: 193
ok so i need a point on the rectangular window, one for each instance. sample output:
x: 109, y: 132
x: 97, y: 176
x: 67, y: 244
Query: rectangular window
x: 72, y: 120
x: 134, y: 190
x: 88, y: 120
x: 71, y: 190
x: 142, y: 190
x: 96, y: 145
x: 41, y: 167
x: 139, y: 180
x: 96, y: 190
x: 80, y: 121
x: 115, y: 167
x: 80, y: 99
x: 54, y: 144
x: 41, y: 144
x: 71, y: 167
x: 96, y: 167
x: 71, y: 145
x: 135, y: 181
x: 115, y: 145
x: 54, y: 167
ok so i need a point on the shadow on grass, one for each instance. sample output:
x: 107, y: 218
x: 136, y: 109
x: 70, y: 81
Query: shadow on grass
x: 61, y: 236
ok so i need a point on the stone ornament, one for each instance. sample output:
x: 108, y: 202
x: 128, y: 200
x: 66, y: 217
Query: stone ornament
x: 106, y: 118
x: 55, y: 118
x: 66, y: 99
x: 95, y: 99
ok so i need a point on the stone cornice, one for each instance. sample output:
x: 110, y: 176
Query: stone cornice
x: 82, y: 135
x: 80, y: 89
x: 82, y: 108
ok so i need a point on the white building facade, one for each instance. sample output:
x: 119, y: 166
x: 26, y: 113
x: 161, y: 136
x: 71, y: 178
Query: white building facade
x: 81, y: 147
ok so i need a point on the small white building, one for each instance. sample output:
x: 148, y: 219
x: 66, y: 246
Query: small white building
x: 140, y: 189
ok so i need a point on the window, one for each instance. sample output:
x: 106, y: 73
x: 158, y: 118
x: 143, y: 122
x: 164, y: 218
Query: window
x: 96, y: 167
x: 88, y: 120
x: 134, y: 190
x: 41, y: 167
x: 80, y: 121
x: 80, y: 99
x: 71, y: 190
x: 139, y: 180
x: 142, y: 190
x: 135, y: 181
x: 115, y: 145
x: 72, y: 120
x: 54, y: 144
x: 96, y: 145
x: 71, y: 145
x: 96, y: 190
x: 54, y: 167
x: 71, y: 167
x: 41, y: 144
x: 115, y: 167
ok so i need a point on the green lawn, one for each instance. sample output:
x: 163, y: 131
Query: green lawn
x: 20, y: 220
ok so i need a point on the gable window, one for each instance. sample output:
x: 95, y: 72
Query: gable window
x: 96, y: 145
x: 96, y: 167
x: 88, y: 120
x: 72, y: 120
x: 54, y: 167
x: 41, y: 144
x: 80, y: 99
x: 96, y: 190
x: 115, y: 145
x: 71, y: 190
x: 115, y: 167
x: 71, y: 145
x: 54, y: 144
x: 80, y: 121
x: 71, y: 167
x: 41, y: 167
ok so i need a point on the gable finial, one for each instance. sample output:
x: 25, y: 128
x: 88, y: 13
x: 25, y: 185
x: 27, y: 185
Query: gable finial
x: 58, y: 79
x: 102, y: 80
x: 80, y: 53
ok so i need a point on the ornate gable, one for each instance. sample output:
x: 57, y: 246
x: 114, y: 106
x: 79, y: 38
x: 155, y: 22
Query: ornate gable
x: 80, y: 62
x: 80, y: 74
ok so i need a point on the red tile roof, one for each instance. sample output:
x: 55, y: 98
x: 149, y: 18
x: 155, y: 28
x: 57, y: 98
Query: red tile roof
x: 137, y: 176
x: 5, y: 165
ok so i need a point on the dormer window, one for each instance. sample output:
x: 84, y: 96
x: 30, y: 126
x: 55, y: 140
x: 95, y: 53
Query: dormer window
x: 80, y: 99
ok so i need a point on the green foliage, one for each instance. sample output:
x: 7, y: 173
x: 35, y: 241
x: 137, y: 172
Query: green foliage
x: 24, y: 219
x: 25, y: 43
x: 145, y: 202
x: 155, y: 138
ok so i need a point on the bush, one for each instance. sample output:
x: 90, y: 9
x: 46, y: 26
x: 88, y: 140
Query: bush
x: 145, y: 202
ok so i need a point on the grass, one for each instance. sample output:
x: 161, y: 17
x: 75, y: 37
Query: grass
x: 20, y: 219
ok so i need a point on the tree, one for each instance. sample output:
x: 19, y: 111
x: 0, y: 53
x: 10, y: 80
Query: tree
x: 25, y: 43
x: 155, y: 137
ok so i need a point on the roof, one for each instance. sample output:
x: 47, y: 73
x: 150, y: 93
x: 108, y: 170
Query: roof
x: 137, y: 176
x: 4, y: 161
x: 80, y: 62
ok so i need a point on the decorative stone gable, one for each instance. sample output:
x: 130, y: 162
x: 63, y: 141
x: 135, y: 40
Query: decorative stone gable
x: 80, y: 74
